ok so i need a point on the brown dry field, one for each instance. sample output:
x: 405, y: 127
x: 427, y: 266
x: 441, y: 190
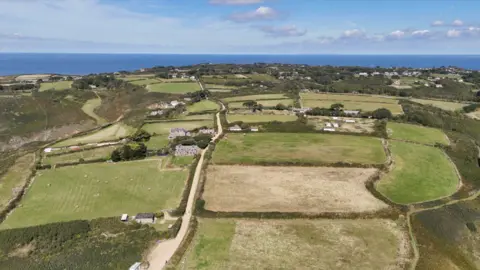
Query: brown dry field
x: 289, y: 189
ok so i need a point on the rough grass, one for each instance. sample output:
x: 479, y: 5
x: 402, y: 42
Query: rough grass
x: 289, y: 189
x: 89, y: 108
x: 421, y: 173
x: 297, y: 147
x: 63, y: 85
x: 355, y: 105
x: 416, y: 133
x: 164, y: 128
x: 348, y: 97
x: 204, y: 105
x: 262, y: 77
x: 101, y: 152
x: 157, y: 142
x: 145, y: 81
x: 16, y: 176
x: 259, y: 118
x: 444, y: 105
x: 98, y: 190
x: 174, y: 88
x: 297, y: 244
x: 110, y: 133
x: 265, y: 103
x: 255, y: 97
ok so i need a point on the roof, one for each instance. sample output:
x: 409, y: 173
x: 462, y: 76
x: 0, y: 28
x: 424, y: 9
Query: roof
x: 145, y: 215
x: 124, y: 216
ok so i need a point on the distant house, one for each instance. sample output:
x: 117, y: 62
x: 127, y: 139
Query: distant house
x: 328, y: 125
x: 254, y: 129
x: 145, y: 218
x: 427, y: 85
x: 178, y: 132
x: 364, y: 74
x: 47, y: 150
x: 235, y: 128
x: 335, y: 125
x: 352, y: 113
x: 124, y: 217
x: 92, y: 86
x: 349, y: 121
x: 186, y: 150
x: 193, y: 78
x: 174, y: 103
x: 174, y: 76
x: 301, y: 110
x: 329, y: 129
x: 438, y: 86
x: 209, y: 131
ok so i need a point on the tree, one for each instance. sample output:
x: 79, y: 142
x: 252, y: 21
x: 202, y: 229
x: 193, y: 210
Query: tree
x: 382, y: 114
x: 142, y: 136
x: 337, y: 107
x: 249, y: 104
x: 280, y: 107
x: 116, y: 157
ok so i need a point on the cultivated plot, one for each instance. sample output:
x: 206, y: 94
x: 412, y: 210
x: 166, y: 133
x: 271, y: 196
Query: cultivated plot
x: 298, y: 244
x: 348, y: 97
x: 302, y: 148
x: 416, y: 133
x: 260, y: 118
x: 255, y: 97
x: 204, y: 105
x: 353, y: 105
x: 15, y: 178
x: 157, y: 142
x: 420, y: 173
x: 174, y: 88
x: 289, y: 189
x: 444, y: 105
x: 96, y: 153
x: 164, y: 127
x: 98, y: 190
x: 266, y: 103
x: 63, y: 85
x: 111, y: 133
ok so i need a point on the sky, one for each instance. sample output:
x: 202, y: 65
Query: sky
x: 241, y: 26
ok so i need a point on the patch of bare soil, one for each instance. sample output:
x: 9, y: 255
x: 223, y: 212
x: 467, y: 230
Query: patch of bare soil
x: 22, y: 251
x: 289, y: 189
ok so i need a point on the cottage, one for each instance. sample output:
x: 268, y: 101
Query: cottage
x: 328, y: 125
x: 186, y: 150
x: 351, y: 113
x: 209, y: 131
x: 124, y: 217
x: 145, y: 218
x: 47, y: 150
x: 254, y: 129
x: 92, y: 86
x: 438, y: 86
x: 235, y: 128
x: 335, y: 125
x: 178, y: 132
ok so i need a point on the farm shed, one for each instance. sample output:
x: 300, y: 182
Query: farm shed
x: 235, y: 128
x: 145, y: 218
x: 329, y: 129
x: 353, y: 113
x: 349, y: 121
x: 135, y: 266
x: 124, y: 217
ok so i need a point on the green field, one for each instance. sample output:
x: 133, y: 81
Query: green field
x: 14, y: 179
x: 350, y: 105
x: 101, y: 152
x: 89, y: 108
x: 416, y: 133
x: 164, y: 128
x: 204, y: 105
x: 420, y: 173
x: 265, y: 103
x: 111, y: 133
x: 261, y: 77
x: 255, y: 148
x: 220, y: 86
x: 296, y: 244
x: 98, y: 190
x: 255, y: 97
x: 157, y: 142
x: 197, y: 117
x: 444, y: 105
x: 348, y: 97
x: 146, y: 82
x: 174, y: 88
x: 63, y: 85
x: 259, y: 118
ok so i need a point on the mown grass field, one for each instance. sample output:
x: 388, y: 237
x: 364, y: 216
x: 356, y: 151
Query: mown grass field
x: 220, y: 86
x: 89, y: 108
x: 111, y: 133
x: 348, y: 97
x: 353, y: 105
x: 174, y: 88
x: 255, y: 97
x: 260, y: 118
x: 146, y: 81
x: 444, y: 105
x: 164, y: 128
x: 265, y: 103
x: 157, y: 142
x: 416, y: 133
x: 255, y: 148
x: 101, y: 152
x: 420, y: 173
x: 98, y: 190
x: 262, y: 77
x: 197, y: 117
x: 63, y: 85
x: 297, y: 244
x: 16, y: 176
x: 204, y: 105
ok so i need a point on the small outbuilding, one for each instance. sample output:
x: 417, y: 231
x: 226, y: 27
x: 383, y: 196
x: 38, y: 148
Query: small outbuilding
x: 235, y: 128
x: 349, y: 121
x: 135, y: 266
x: 124, y: 217
x: 145, y: 218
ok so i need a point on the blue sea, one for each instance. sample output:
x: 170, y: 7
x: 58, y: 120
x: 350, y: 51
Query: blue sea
x: 81, y: 64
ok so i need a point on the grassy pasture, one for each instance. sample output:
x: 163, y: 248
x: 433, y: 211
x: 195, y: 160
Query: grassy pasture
x: 174, y: 88
x: 265, y: 103
x: 111, y: 133
x: 145, y: 81
x: 348, y: 97
x: 15, y: 178
x: 197, y: 117
x: 262, y: 77
x: 98, y: 190
x: 89, y: 108
x: 444, y: 105
x: 260, y: 118
x: 310, y: 148
x: 101, y: 152
x: 421, y: 173
x: 357, y: 105
x: 361, y: 125
x: 164, y: 128
x: 157, y: 142
x: 297, y: 244
x: 63, y: 85
x: 220, y: 86
x: 296, y: 189
x: 204, y: 105
x: 416, y: 133
x: 255, y: 97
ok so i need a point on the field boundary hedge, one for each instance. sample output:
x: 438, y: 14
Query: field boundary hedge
x: 381, y: 166
x: 180, y: 210
x: 182, y: 249
x: 79, y: 151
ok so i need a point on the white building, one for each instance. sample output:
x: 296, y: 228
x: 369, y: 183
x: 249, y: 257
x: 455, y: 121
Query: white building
x: 124, y: 217
x: 329, y: 129
x: 135, y: 266
x: 438, y: 86
x: 349, y: 121
x: 235, y: 128
x: 145, y: 218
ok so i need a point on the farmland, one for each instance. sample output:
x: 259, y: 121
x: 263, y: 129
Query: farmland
x: 361, y: 125
x: 349, y: 105
x: 416, y: 133
x: 260, y: 118
x: 174, y: 88
x: 164, y: 127
x: 255, y: 97
x: 348, y: 97
x: 298, y: 244
x: 298, y: 148
x: 288, y: 189
x: 111, y: 133
x: 421, y: 173
x: 205, y: 105
x: 98, y: 190
x: 63, y: 85
x: 265, y: 103
x: 444, y: 105
x: 15, y: 178
x: 157, y: 142
x: 146, y: 81
x: 96, y: 153
x: 89, y: 108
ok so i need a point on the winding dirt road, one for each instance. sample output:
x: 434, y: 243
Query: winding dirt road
x: 165, y: 250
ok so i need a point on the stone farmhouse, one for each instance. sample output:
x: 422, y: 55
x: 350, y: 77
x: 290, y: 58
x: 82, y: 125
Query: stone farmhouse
x: 186, y: 150
x: 209, y: 131
x: 178, y: 132
x: 145, y: 218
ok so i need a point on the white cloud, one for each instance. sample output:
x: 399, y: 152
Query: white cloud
x: 453, y: 33
x: 438, y: 23
x: 235, y: 2
x: 353, y: 33
x: 421, y: 33
x: 283, y: 31
x: 396, y: 34
x: 261, y: 13
x: 457, y: 23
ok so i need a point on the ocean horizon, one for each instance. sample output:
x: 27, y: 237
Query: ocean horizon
x: 88, y: 63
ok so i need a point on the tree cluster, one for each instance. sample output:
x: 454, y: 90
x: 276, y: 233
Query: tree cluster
x: 129, y: 151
